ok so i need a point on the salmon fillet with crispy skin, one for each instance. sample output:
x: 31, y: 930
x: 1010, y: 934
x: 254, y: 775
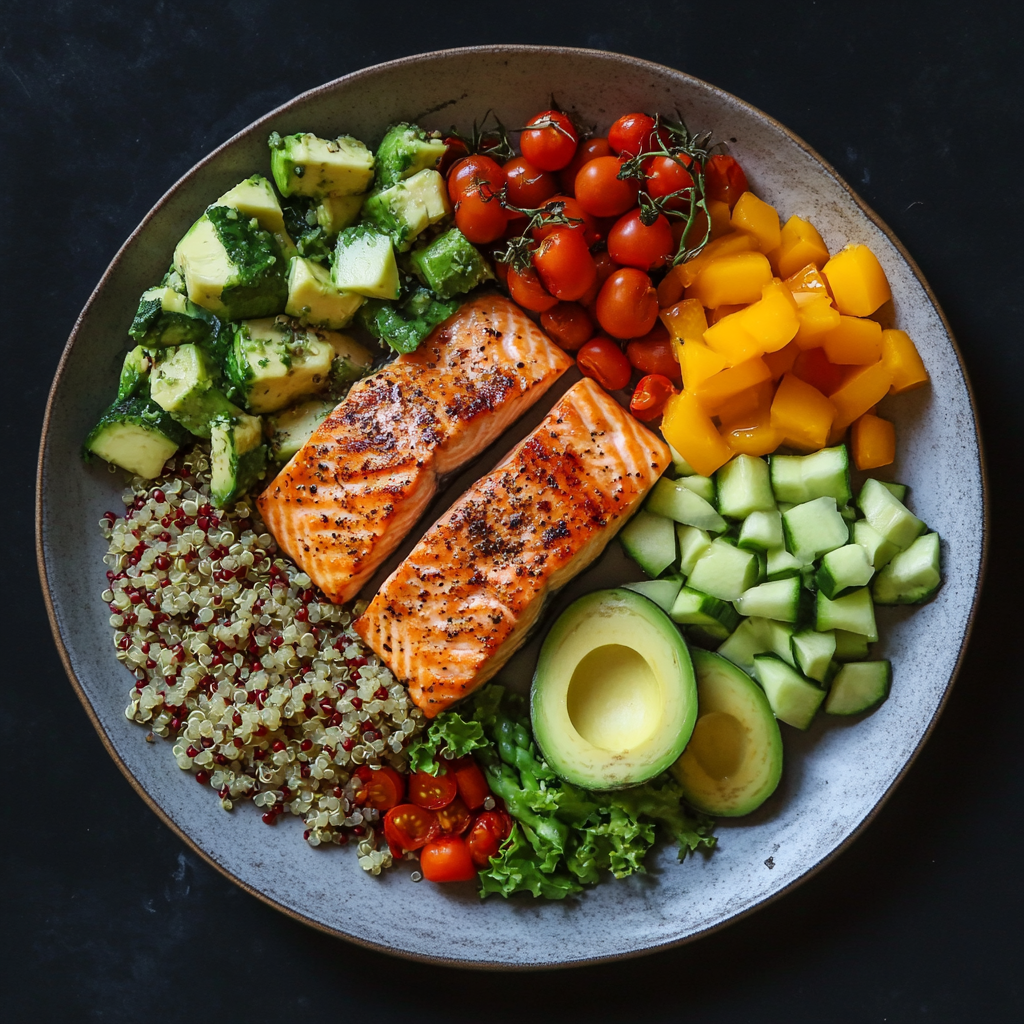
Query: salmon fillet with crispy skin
x: 354, y: 490
x: 464, y: 600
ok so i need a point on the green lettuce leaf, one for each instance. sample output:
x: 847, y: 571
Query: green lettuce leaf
x: 660, y: 799
x: 449, y: 736
x: 519, y: 868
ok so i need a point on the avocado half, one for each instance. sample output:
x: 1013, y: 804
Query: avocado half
x: 733, y: 761
x: 614, y: 698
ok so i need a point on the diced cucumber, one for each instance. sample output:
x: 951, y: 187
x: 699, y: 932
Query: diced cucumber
x: 898, y: 491
x: 850, y: 646
x: 859, y: 685
x: 814, y: 528
x: 693, y: 544
x: 842, y: 570
x: 876, y: 547
x: 855, y: 613
x: 848, y: 512
x: 780, y: 564
x: 913, y: 575
x: 693, y: 608
x: 793, y: 699
x: 778, y: 600
x: 679, y: 465
x: 888, y: 515
x: 746, y: 640
x: 650, y: 540
x: 237, y: 456
x: 672, y: 498
x: 744, y: 487
x: 762, y: 531
x: 800, y: 478
x: 662, y: 592
x: 724, y: 571
x: 779, y: 638
x: 813, y: 652
x: 702, y: 485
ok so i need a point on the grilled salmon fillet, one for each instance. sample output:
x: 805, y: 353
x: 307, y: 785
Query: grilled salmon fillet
x: 463, y: 601
x: 353, y: 491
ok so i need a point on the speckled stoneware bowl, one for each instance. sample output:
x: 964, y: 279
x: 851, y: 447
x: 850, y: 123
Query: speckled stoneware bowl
x: 836, y: 776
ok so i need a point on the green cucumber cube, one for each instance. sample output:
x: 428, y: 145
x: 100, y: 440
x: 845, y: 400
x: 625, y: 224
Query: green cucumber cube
x: 781, y: 564
x: 898, y: 491
x: 762, y: 531
x: 724, y: 571
x: 858, y: 686
x: 679, y: 465
x: 673, y: 499
x: 814, y: 528
x: 913, y: 575
x: 888, y: 515
x: 876, y: 547
x: 850, y: 646
x: 662, y: 592
x: 744, y: 487
x: 793, y: 699
x: 855, y: 613
x: 693, y: 544
x: 779, y: 600
x: 650, y: 540
x: 702, y: 485
x: 800, y: 478
x: 692, y: 608
x: 813, y: 653
x: 843, y: 570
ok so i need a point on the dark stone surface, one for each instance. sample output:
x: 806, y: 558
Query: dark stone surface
x: 107, y: 916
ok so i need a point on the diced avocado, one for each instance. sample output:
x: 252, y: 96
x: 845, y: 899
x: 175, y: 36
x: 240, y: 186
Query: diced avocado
x: 137, y: 435
x: 614, y: 700
x: 450, y: 265
x: 408, y: 208
x: 405, y: 324
x: 167, y: 317
x: 292, y: 428
x: 313, y: 298
x: 311, y: 240
x: 232, y: 266
x: 311, y: 166
x: 352, y: 361
x: 238, y: 456
x: 255, y: 197
x: 733, y: 761
x: 405, y: 150
x: 336, y: 212
x: 134, y: 377
x: 273, y: 361
x: 185, y: 385
x: 364, y: 263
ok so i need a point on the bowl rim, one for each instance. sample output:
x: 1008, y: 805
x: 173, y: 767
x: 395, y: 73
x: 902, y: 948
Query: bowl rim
x: 503, y: 49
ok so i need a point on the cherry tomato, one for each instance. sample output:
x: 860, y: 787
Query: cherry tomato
x: 489, y: 831
x: 474, y: 170
x: 447, y: 860
x: 600, y: 191
x: 650, y: 396
x: 526, y: 289
x: 568, y: 325
x: 724, y: 179
x: 654, y: 353
x: 480, y: 216
x: 432, y: 791
x: 565, y: 265
x: 579, y: 220
x: 552, y: 144
x: 631, y: 134
x: 665, y: 176
x: 602, y: 359
x: 606, y: 266
x: 454, y: 149
x: 455, y: 818
x: 632, y: 243
x: 627, y: 304
x: 528, y: 186
x: 472, y: 783
x: 587, y: 150
x: 382, y: 788
x: 408, y: 827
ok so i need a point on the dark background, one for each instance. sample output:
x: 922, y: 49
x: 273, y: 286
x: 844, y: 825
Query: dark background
x: 107, y: 916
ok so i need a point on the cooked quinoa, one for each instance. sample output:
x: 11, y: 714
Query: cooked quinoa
x: 257, y: 679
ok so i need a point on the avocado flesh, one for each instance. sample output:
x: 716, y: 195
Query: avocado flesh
x: 733, y: 761
x: 614, y: 699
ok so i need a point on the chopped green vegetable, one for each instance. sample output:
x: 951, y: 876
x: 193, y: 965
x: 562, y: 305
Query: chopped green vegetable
x: 404, y: 324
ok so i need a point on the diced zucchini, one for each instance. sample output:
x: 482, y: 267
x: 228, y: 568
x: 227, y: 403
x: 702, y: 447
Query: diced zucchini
x: 693, y: 608
x: 292, y: 428
x: 744, y: 487
x: 693, y: 544
x: 781, y: 564
x: 673, y: 499
x: 238, y: 457
x: 450, y: 265
x: 913, y: 575
x: 310, y: 166
x: 855, y: 613
x: 778, y: 600
x: 793, y: 699
x: 724, y: 571
x: 137, y: 435
x: 814, y: 528
x: 801, y: 478
x: 408, y: 208
x: 858, y: 686
x: 888, y: 515
x: 313, y: 297
x: 762, y: 531
x: 813, y: 653
x: 166, y: 317
x: 842, y: 570
x: 898, y: 491
x: 876, y: 547
x: 850, y: 646
x: 364, y: 263
x: 650, y: 540
x: 662, y: 592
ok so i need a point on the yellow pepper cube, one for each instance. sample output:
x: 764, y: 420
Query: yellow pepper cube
x: 698, y: 362
x: 716, y: 391
x: 801, y: 245
x: 720, y: 218
x: 747, y: 408
x: 731, y: 280
x: 873, y: 441
x: 903, y: 359
x: 756, y: 216
x: 688, y: 429
x: 721, y: 312
x: 781, y: 361
x: 801, y: 414
x: 854, y: 342
x: 735, y: 241
x: 758, y: 440
x: 685, y: 320
x: 807, y: 279
x: 817, y: 318
x: 731, y: 339
x: 860, y: 392
x: 857, y: 281
x: 772, y: 320
x: 670, y: 288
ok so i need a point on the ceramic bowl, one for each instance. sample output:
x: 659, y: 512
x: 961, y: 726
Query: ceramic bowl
x: 836, y: 776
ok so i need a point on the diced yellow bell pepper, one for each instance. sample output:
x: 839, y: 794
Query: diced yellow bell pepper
x: 760, y: 439
x: 714, y: 392
x: 903, y: 359
x: 857, y: 281
x: 749, y: 408
x: 854, y: 342
x: 801, y: 414
x: 728, y: 280
x: 761, y: 220
x: 781, y: 361
x: 730, y: 337
x: 721, y: 312
x: 697, y: 362
x: 817, y: 316
x: 772, y: 320
x: 807, y: 279
x: 670, y: 288
x: 801, y: 245
x: 735, y: 241
x: 873, y: 441
x: 720, y: 218
x: 685, y: 320
x: 688, y: 429
x: 860, y: 391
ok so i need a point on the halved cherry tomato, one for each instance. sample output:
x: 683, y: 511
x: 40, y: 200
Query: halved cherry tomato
x: 472, y: 783
x: 632, y: 243
x: 665, y: 176
x: 408, y: 827
x: 627, y: 304
x: 454, y: 150
x: 631, y: 134
x: 655, y: 353
x: 568, y: 325
x: 601, y: 192
x: 489, y: 831
x: 526, y: 289
x: 480, y: 216
x: 474, y: 170
x: 724, y: 179
x: 433, y: 791
x: 650, y: 396
x: 565, y: 265
x: 447, y: 860
x: 528, y: 186
x: 579, y: 220
x: 587, y: 150
x: 382, y: 787
x: 455, y: 818
x: 603, y: 360
x: 552, y: 144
